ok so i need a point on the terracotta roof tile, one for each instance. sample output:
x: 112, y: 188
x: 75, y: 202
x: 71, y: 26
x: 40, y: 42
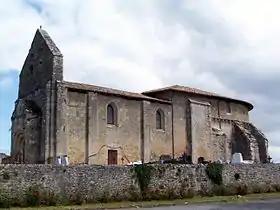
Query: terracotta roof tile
x: 198, y: 92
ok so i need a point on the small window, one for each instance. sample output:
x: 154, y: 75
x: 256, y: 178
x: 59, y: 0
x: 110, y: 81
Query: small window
x: 111, y: 114
x: 228, y: 108
x: 160, y: 119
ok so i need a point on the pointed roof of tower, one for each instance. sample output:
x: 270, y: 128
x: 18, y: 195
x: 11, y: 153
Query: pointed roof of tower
x: 50, y: 43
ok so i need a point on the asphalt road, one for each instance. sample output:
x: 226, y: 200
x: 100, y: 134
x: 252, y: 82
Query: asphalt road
x: 252, y: 205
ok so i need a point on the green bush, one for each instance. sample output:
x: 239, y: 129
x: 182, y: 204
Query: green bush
x: 214, y: 172
x: 5, y: 199
x: 143, y: 174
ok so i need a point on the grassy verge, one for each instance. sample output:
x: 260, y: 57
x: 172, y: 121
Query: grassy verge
x: 162, y: 203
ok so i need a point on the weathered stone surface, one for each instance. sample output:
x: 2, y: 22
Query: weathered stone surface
x: 67, y: 118
x: 95, y: 180
x: 249, y: 141
x: 200, y: 130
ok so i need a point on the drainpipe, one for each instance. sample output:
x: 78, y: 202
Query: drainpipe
x: 142, y: 128
x: 219, y: 115
x: 172, y: 132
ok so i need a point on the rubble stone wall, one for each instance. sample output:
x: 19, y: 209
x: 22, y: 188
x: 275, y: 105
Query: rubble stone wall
x: 96, y: 180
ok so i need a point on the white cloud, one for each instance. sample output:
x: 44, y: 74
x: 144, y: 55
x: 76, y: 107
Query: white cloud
x: 139, y: 45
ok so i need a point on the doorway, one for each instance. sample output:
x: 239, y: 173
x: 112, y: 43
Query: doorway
x: 112, y: 157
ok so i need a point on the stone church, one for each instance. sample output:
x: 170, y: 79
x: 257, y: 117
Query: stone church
x: 99, y: 125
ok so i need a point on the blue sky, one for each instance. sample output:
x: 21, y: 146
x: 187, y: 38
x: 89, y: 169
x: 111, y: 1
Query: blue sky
x: 229, y: 47
x: 8, y: 94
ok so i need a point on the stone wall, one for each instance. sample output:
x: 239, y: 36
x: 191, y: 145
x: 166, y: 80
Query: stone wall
x: 219, y: 108
x: 199, y: 130
x: 134, y: 136
x: 220, y: 118
x: 94, y: 180
x: 35, y: 107
x: 221, y: 146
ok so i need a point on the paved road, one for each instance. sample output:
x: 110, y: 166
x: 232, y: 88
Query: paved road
x: 252, y: 205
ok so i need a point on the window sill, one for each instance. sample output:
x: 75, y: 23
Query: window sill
x: 161, y: 130
x: 111, y: 126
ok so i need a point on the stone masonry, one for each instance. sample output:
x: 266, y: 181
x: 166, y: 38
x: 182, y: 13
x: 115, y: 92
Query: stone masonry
x: 95, y: 180
x: 98, y: 125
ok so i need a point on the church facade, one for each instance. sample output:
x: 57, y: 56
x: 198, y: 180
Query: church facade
x: 98, y: 125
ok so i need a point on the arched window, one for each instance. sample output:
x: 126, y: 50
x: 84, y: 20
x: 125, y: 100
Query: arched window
x: 160, y: 119
x: 112, y: 114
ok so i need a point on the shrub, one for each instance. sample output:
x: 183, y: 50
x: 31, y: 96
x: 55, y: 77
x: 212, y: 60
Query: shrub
x: 49, y: 198
x: 5, y: 199
x: 152, y: 194
x: 32, y: 196
x: 214, y: 172
x: 219, y: 190
x: 170, y: 194
x: 105, y: 197
x: 185, y: 191
x: 263, y: 188
x: 189, y: 193
x: 143, y: 174
x: 133, y: 193
x: 257, y: 189
x: 242, y: 189
x: 276, y: 187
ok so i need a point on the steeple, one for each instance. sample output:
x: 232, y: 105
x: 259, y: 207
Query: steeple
x: 43, y: 63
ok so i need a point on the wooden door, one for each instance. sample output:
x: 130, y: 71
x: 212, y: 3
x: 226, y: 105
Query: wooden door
x: 112, y: 157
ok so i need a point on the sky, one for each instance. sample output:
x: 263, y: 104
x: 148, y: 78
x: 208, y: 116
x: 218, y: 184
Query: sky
x: 228, y: 47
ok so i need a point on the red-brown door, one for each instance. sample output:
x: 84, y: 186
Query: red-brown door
x: 112, y: 157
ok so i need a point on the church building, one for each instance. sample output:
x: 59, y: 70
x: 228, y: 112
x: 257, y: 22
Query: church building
x: 98, y: 125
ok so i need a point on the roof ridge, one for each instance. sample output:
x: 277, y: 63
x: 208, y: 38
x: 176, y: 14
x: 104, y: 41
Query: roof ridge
x: 196, y: 91
x: 50, y: 43
x: 108, y: 90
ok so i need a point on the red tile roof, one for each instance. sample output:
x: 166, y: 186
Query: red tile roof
x: 196, y: 91
x: 110, y: 91
x: 148, y: 95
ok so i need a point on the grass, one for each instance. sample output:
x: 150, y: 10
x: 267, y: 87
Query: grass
x: 162, y: 203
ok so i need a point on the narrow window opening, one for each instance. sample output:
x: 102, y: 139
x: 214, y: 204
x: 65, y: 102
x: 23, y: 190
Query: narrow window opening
x: 228, y: 108
x: 111, y: 114
x: 159, y: 120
